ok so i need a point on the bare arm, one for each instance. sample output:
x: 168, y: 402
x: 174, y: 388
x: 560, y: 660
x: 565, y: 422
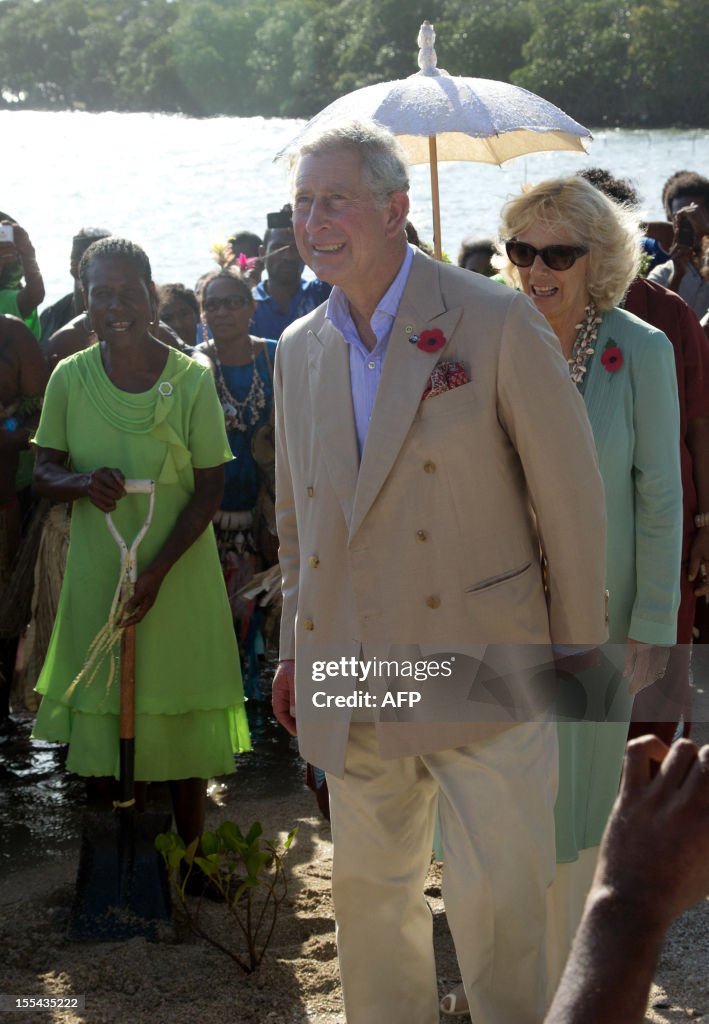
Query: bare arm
x: 33, y: 372
x: 54, y: 479
x: 653, y: 865
x: 73, y: 337
x: 31, y: 295
x: 609, y: 972
x: 31, y: 380
x: 662, y: 231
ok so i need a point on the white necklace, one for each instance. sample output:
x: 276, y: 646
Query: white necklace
x: 240, y: 415
x: 584, y: 344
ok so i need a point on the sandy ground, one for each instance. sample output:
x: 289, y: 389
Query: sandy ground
x: 183, y: 979
x: 143, y: 982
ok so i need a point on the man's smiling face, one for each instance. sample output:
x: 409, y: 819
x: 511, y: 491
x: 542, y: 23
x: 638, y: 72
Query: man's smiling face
x: 340, y: 231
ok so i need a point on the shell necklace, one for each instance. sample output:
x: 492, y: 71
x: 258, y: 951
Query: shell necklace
x: 584, y: 344
x: 240, y: 415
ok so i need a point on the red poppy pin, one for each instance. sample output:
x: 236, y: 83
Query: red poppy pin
x: 612, y: 357
x: 430, y: 340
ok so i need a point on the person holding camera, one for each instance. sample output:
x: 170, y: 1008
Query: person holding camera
x: 686, y: 199
x: 21, y: 284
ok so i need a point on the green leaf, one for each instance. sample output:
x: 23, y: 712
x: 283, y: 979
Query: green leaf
x: 210, y: 843
x: 191, y: 850
x: 230, y: 834
x: 254, y: 832
x: 208, y: 867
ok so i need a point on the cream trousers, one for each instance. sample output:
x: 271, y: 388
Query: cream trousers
x: 496, y: 808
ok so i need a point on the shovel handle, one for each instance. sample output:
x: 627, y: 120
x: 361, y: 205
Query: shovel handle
x: 139, y: 486
x: 127, y: 721
x: 126, y: 745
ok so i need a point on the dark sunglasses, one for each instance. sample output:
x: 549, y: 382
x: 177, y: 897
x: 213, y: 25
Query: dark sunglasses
x: 230, y: 302
x: 556, y: 257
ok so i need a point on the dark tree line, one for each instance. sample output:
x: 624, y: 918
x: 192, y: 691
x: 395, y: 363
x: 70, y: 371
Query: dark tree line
x: 605, y: 62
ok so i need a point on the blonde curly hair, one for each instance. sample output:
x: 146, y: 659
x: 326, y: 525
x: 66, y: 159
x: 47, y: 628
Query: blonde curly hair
x: 579, y: 212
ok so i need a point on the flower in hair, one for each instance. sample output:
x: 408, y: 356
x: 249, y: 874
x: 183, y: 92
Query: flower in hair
x: 431, y: 340
x: 247, y: 262
x: 612, y: 357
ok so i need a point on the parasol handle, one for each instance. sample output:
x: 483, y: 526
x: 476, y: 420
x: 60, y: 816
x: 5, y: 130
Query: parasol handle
x: 433, y: 162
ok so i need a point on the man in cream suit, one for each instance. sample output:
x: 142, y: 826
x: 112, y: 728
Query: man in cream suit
x: 430, y: 449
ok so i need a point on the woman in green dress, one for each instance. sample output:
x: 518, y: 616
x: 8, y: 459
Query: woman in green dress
x: 131, y: 407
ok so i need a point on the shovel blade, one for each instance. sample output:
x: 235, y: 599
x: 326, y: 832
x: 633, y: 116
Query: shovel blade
x: 122, y: 890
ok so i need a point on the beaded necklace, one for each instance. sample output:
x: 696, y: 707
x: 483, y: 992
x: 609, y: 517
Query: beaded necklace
x: 240, y: 415
x: 584, y: 344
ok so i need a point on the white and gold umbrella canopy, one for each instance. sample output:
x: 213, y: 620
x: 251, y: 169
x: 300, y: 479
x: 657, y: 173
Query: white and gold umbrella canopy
x: 439, y: 117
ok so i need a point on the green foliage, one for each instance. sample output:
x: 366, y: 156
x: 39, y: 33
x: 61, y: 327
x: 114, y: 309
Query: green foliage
x: 245, y: 871
x: 669, y: 43
x: 577, y: 56
x: 638, y: 62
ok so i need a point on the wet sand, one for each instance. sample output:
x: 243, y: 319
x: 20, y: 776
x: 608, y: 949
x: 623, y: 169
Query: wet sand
x: 181, y: 979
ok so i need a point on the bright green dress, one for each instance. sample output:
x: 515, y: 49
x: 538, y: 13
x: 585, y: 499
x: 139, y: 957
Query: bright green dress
x: 190, y: 717
x: 634, y: 415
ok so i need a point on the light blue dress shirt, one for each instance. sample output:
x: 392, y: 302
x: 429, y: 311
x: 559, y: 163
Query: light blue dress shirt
x: 366, y: 366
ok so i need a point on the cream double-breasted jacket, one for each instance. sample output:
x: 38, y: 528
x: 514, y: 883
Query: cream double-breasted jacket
x: 434, y: 540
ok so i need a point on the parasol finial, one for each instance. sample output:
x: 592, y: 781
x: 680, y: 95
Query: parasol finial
x: 427, y: 54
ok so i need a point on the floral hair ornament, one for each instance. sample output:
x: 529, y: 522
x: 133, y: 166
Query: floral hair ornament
x: 246, y: 262
x: 431, y: 340
x: 612, y: 357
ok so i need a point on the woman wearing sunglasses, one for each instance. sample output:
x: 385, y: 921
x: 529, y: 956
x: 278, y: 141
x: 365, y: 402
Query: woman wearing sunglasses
x: 575, y: 252
x: 245, y: 524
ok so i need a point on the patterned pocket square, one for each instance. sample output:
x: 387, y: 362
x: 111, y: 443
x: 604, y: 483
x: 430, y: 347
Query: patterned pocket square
x: 445, y: 377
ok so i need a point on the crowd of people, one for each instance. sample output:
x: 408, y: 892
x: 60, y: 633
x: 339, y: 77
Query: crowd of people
x: 504, y: 464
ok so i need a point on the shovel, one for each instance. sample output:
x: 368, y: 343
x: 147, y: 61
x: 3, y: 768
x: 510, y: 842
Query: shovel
x: 122, y: 889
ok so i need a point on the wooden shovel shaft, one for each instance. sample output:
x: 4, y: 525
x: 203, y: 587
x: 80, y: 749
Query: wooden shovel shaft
x: 126, y: 744
x: 127, y: 724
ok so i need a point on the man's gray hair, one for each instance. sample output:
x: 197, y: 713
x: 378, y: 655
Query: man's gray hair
x: 384, y: 164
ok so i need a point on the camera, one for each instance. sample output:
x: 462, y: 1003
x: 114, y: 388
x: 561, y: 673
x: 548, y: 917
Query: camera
x: 685, y: 231
x: 281, y: 219
x: 7, y: 233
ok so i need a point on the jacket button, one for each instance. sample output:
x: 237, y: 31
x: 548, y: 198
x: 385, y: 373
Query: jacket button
x: 433, y: 601
x: 311, y: 492
x: 313, y: 561
x: 429, y: 467
x: 421, y: 536
x: 309, y: 625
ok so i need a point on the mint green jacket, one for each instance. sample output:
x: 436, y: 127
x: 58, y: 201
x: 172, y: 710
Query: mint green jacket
x: 634, y: 415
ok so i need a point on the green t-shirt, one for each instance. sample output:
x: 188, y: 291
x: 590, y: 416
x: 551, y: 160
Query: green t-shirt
x: 8, y: 304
